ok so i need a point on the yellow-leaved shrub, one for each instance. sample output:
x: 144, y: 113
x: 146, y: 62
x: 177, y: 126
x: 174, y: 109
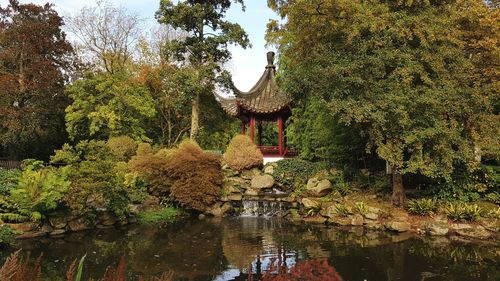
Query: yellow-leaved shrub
x: 242, y: 154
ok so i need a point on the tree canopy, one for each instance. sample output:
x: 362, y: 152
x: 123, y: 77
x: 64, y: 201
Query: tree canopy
x: 399, y: 70
x: 34, y: 69
x: 204, y: 48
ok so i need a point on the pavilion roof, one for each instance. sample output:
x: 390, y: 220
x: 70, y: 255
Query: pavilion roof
x: 264, y: 98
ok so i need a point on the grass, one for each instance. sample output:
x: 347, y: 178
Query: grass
x: 167, y: 214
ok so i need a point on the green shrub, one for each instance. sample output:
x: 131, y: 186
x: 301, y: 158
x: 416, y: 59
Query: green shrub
x: 342, y: 210
x: 166, y: 214
x: 95, y: 182
x: 339, y: 183
x: 8, y: 181
x: 493, y: 197
x: 422, y: 206
x: 40, y: 190
x: 6, y: 235
x: 197, y: 176
x: 361, y: 208
x: 122, y: 147
x: 242, y: 154
x: 463, y: 212
x: 294, y: 173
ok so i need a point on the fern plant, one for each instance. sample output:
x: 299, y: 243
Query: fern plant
x: 422, y: 206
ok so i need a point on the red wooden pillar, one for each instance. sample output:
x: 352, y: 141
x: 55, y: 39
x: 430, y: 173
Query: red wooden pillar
x: 280, y: 135
x: 243, y: 127
x: 252, y: 128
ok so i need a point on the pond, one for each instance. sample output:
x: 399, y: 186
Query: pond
x: 237, y: 248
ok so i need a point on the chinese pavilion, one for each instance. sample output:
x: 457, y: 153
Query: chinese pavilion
x: 264, y: 103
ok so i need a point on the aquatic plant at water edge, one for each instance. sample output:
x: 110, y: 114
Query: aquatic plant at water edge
x: 165, y: 214
x: 342, y: 210
x: 423, y: 207
x: 361, y: 208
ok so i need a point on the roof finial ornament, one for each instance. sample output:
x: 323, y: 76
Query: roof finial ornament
x: 270, y: 59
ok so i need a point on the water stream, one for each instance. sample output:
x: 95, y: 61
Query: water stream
x: 262, y: 208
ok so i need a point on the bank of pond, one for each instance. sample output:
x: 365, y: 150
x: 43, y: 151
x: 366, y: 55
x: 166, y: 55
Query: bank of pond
x: 245, y: 248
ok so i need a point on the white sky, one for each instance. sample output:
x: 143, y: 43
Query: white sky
x: 246, y: 66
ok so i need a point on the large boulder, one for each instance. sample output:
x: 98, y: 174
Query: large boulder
x: 397, y: 226
x: 357, y: 220
x: 262, y: 182
x: 310, y: 203
x: 318, y: 188
x: 471, y: 231
x: 437, y: 228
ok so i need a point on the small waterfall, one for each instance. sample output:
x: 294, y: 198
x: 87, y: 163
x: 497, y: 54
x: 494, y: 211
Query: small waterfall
x: 254, y: 208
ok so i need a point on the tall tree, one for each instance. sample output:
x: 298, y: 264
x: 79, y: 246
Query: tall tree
x: 107, y: 105
x: 204, y: 49
x: 107, y: 35
x: 35, y: 63
x: 397, y: 69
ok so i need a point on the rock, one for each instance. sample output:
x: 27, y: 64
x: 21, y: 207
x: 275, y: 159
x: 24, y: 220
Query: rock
x: 318, y: 188
x: 398, y: 226
x: 328, y: 211
x: 58, y: 222
x: 250, y: 174
x: 472, y: 231
x: 315, y: 219
x: 338, y: 220
x: 107, y: 219
x: 373, y: 210
x: 371, y: 216
x: 149, y: 202
x: 57, y: 232
x: 133, y: 208
x: 78, y: 225
x: 24, y: 226
x: 235, y: 197
x: 357, y: 220
x: 309, y: 203
x: 262, y: 182
x: 491, y: 224
x: 235, y: 184
x: 437, y: 228
x: 373, y: 225
x: 201, y: 216
x: 31, y: 234
x: 288, y: 199
x: 251, y: 192
x: 269, y: 169
x: 217, y: 210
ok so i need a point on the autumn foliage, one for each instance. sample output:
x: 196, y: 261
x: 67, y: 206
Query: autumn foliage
x: 197, y: 176
x: 242, y: 154
x: 312, y: 270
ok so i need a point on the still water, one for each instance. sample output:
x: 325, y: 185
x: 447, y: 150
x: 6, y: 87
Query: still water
x: 245, y: 248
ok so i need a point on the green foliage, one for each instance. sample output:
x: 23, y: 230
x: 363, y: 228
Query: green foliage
x: 423, y: 207
x: 8, y: 179
x: 6, y: 235
x: 123, y: 147
x: 106, y: 105
x: 96, y: 183
x: 493, y: 197
x: 166, y: 214
x: 320, y: 136
x: 40, y: 190
x: 342, y: 210
x: 339, y: 183
x: 197, y: 176
x: 243, y: 154
x: 463, y: 212
x: 207, y: 36
x: 361, y: 208
x: 495, y: 213
x: 402, y: 75
x: 294, y: 172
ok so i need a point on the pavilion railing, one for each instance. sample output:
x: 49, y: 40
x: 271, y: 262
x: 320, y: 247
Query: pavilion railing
x: 275, y: 151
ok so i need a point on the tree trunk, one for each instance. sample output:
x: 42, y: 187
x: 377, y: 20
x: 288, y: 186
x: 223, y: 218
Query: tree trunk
x: 398, y: 191
x: 195, y: 117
